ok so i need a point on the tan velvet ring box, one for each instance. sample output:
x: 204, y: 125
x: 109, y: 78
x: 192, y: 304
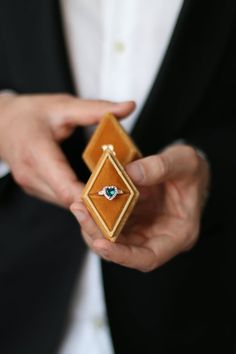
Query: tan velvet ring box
x: 109, y: 194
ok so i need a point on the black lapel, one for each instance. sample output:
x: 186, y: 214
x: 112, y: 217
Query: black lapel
x: 33, y: 42
x: 194, y: 52
x: 32, y: 35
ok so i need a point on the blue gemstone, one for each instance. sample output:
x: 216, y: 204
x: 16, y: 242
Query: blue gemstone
x: 110, y: 192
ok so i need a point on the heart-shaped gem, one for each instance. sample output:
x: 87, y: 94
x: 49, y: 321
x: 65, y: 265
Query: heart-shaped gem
x: 110, y: 192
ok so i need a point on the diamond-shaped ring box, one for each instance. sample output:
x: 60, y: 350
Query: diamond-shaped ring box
x: 109, y: 194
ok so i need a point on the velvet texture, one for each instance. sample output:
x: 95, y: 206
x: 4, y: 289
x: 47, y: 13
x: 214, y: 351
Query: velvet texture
x: 110, y: 132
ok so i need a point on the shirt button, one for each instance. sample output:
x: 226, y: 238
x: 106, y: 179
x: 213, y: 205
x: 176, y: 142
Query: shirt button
x: 119, y: 47
x: 98, y: 322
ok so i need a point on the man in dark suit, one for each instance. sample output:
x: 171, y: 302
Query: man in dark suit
x: 185, y: 306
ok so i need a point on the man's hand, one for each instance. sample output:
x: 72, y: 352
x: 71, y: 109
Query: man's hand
x: 165, y: 222
x: 31, y: 127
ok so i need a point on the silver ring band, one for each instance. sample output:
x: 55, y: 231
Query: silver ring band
x: 110, y: 192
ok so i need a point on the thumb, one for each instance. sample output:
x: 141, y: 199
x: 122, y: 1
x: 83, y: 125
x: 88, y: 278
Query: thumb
x: 175, y: 162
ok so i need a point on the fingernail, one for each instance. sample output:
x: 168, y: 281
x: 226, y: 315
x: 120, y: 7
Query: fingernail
x: 135, y: 171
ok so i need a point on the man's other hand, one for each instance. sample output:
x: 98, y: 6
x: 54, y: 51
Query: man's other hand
x: 31, y: 128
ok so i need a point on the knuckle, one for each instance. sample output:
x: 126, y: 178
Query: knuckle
x: 190, y: 237
x: 64, y: 196
x: 148, y: 267
x: 193, y: 157
x: 144, y: 269
x: 162, y: 164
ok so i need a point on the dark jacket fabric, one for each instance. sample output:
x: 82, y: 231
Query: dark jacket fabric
x: 184, y: 307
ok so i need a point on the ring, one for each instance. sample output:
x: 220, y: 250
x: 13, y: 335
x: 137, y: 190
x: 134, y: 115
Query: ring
x: 110, y: 192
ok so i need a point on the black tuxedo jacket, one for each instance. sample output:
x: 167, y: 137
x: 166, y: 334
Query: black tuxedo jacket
x: 183, y: 307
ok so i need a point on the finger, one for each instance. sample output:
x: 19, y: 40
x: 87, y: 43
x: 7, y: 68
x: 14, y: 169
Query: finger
x: 37, y: 188
x: 165, y: 247
x: 171, y: 236
x: 140, y: 258
x: 85, y: 220
x: 175, y: 162
x: 33, y: 185
x: 55, y: 171
x: 91, y: 231
x: 45, y: 194
x: 84, y: 112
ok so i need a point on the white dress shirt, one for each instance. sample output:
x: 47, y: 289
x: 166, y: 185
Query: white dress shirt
x: 115, y: 48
